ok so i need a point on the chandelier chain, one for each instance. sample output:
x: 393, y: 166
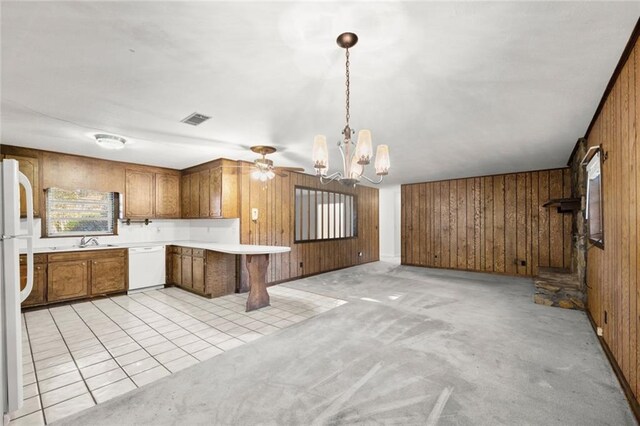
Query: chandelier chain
x: 348, y: 92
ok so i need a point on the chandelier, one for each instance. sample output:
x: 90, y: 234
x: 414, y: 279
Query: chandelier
x: 354, y: 156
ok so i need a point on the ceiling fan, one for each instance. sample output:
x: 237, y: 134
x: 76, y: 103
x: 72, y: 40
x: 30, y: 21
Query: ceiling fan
x: 264, y: 168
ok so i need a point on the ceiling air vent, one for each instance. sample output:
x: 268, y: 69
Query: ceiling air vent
x: 195, y: 119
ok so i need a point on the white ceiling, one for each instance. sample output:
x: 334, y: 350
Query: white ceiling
x: 454, y: 89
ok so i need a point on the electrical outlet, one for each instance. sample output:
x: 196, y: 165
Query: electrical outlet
x: 599, y: 331
x: 254, y: 214
x: 301, y: 265
x: 359, y: 254
x: 523, y: 263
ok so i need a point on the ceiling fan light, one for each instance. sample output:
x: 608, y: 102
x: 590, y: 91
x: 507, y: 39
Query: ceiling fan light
x: 270, y: 174
x: 320, y: 152
x: 263, y: 177
x: 110, y: 141
x: 364, y: 151
x: 383, y: 163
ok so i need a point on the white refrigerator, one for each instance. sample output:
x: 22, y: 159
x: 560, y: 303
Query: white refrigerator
x: 11, y: 233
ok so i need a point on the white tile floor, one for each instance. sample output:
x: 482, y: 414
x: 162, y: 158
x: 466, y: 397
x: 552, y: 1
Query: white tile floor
x: 79, y: 355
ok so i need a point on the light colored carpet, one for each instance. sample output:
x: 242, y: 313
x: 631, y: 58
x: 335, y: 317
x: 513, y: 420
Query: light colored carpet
x: 411, y: 346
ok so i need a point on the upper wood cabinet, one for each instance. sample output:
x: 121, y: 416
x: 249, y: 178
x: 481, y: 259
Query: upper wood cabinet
x: 149, y: 194
x: 167, y: 195
x: 29, y: 167
x: 139, y: 194
x: 212, y: 192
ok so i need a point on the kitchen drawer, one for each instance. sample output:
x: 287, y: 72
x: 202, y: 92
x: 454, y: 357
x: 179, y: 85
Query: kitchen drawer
x: 198, y: 252
x: 86, y: 255
x: 174, y: 249
x: 187, y: 251
x: 37, y: 258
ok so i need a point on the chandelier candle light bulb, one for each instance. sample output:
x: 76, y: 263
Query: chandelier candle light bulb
x: 320, y: 152
x: 383, y: 163
x: 364, y: 152
x: 354, y: 156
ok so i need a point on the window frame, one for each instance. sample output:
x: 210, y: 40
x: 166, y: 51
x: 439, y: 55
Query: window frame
x: 597, y: 242
x: 327, y: 191
x: 116, y: 216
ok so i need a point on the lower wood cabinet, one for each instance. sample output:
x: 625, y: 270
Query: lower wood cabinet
x: 66, y: 276
x: 108, y: 275
x: 67, y: 280
x: 39, y: 290
x: 205, y: 272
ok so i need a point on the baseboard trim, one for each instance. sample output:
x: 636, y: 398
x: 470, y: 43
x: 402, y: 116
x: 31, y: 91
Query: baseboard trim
x: 628, y: 393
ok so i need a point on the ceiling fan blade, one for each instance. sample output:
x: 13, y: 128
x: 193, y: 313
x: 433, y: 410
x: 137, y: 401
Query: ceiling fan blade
x: 280, y: 173
x: 291, y: 169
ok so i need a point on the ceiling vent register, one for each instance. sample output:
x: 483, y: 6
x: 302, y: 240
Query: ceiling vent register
x: 195, y: 119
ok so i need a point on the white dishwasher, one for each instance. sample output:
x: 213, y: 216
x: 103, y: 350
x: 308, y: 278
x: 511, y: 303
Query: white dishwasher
x: 147, y: 267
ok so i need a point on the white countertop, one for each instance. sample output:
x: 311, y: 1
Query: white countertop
x: 219, y: 247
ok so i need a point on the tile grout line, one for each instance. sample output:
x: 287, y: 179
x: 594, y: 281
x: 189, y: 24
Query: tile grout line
x: 193, y: 304
x: 183, y: 302
x: 239, y: 313
x: 169, y: 319
x: 137, y: 342
x: 74, y: 360
x: 105, y: 348
x: 35, y: 373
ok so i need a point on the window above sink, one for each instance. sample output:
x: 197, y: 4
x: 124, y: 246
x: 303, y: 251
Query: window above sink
x: 80, y: 212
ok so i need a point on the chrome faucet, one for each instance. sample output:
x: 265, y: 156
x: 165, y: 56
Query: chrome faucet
x: 85, y: 242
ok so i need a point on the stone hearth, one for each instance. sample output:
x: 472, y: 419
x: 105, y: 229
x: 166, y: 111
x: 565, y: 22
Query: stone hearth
x: 559, y: 287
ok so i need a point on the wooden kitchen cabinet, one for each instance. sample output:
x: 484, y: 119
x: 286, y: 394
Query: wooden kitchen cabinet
x: 67, y: 280
x: 29, y: 167
x: 223, y: 187
x: 211, y: 192
x: 185, y: 195
x: 204, y: 194
x: 81, y: 274
x: 176, y: 266
x: 187, y: 271
x: 198, y: 270
x: 167, y: 195
x: 205, y: 272
x: 139, y: 197
x: 38, y: 292
x: 194, y: 196
x: 108, y: 274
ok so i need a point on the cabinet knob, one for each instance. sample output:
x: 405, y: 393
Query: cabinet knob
x: 95, y: 263
x: 83, y: 263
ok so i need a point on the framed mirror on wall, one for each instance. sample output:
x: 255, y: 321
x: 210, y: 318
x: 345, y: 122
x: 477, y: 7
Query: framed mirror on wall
x: 594, y: 204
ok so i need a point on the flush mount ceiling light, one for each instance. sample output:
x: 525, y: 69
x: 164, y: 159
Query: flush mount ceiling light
x: 353, y: 162
x: 110, y: 141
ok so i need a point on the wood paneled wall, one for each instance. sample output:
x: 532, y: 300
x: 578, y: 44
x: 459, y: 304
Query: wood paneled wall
x: 275, y: 226
x: 490, y: 223
x: 613, y: 272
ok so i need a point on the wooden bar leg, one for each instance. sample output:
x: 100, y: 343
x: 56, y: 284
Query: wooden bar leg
x: 244, y: 275
x: 257, y: 265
